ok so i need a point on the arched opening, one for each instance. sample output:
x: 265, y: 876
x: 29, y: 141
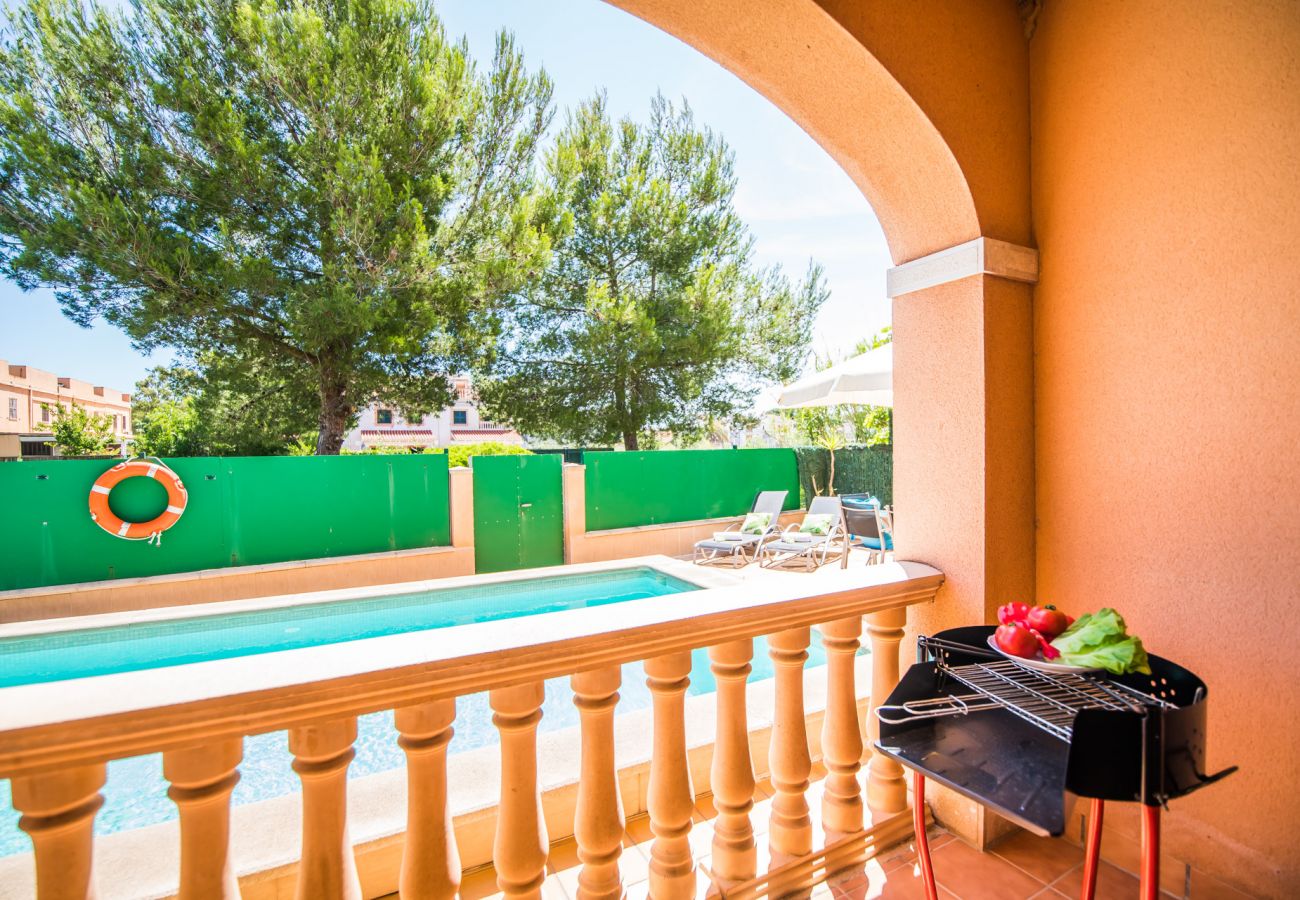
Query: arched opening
x: 795, y: 54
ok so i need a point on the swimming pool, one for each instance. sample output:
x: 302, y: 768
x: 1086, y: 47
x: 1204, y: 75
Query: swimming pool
x: 62, y: 655
x: 136, y: 793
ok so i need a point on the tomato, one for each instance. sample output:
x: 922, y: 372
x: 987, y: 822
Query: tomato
x: 1016, y: 640
x: 1047, y: 621
x: 1013, y: 612
x: 1049, y: 652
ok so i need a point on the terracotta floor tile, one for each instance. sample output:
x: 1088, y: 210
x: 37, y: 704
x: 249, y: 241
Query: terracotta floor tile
x: 900, y: 884
x: 1112, y: 883
x: 972, y: 875
x: 1049, y: 894
x: 1047, y: 859
x: 905, y: 854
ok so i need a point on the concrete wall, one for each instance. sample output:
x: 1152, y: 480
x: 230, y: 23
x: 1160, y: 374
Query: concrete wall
x: 670, y: 539
x: 1166, y: 153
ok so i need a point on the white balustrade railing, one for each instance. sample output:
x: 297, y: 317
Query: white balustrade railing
x: 56, y: 755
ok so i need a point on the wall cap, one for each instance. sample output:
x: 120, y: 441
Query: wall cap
x: 982, y: 256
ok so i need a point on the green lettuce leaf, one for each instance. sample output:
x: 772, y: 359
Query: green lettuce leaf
x: 1119, y: 656
x: 1091, y: 630
x: 1099, y: 640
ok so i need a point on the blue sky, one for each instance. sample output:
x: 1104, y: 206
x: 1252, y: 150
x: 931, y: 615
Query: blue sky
x: 797, y: 201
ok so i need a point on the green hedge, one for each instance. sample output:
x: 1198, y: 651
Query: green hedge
x: 653, y: 487
x: 858, y: 470
x: 242, y: 511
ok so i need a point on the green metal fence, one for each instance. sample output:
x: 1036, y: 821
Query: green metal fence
x: 242, y: 511
x: 657, y: 486
x: 518, y: 512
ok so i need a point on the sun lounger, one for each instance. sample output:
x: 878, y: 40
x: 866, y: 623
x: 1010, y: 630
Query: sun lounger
x: 820, y: 537
x: 739, y: 546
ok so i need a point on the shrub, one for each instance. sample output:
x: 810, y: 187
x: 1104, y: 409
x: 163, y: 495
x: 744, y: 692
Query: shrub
x: 459, y: 455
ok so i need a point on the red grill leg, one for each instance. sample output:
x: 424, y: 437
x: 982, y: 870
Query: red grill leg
x: 1150, y: 853
x: 922, y: 840
x: 1092, y: 852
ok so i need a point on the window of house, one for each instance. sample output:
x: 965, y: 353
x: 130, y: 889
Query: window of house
x: 459, y: 417
x: 13, y: 407
x: 384, y: 416
x: 45, y: 413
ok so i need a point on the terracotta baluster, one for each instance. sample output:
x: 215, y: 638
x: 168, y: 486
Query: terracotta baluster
x: 321, y: 756
x: 430, y: 861
x: 202, y: 779
x: 735, y: 857
x: 58, y: 813
x: 790, y: 831
x: 670, y: 799
x: 520, y: 848
x: 598, y: 821
x: 886, y: 786
x: 841, y: 734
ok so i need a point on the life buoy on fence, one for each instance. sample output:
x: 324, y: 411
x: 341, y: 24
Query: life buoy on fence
x: 137, y: 531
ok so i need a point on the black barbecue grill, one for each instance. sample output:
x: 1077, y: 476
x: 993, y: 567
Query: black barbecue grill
x: 1020, y: 740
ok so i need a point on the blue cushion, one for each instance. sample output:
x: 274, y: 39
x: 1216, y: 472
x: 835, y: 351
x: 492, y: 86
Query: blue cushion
x: 874, y: 543
x: 861, y: 502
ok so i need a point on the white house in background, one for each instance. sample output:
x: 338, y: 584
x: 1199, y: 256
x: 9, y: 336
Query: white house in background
x: 382, y: 425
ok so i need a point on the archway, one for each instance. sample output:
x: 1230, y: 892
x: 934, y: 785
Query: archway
x: 795, y: 54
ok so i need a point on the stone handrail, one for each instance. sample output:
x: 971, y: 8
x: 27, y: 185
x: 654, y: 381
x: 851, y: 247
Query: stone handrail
x: 55, y: 747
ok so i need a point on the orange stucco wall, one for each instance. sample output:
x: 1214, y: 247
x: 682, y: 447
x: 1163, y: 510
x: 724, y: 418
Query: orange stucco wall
x: 1166, y: 200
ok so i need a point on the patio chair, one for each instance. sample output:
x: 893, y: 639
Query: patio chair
x: 813, y: 542
x: 870, y: 529
x: 740, y: 545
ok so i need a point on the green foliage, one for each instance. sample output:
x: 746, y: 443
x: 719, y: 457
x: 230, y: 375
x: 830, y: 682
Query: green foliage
x: 76, y: 431
x: 326, y: 192
x: 222, y: 411
x: 879, y: 339
x: 459, y: 454
x: 858, y: 470
x: 822, y: 426
x: 651, y: 316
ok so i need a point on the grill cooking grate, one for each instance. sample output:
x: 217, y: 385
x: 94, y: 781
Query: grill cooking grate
x: 1049, y: 700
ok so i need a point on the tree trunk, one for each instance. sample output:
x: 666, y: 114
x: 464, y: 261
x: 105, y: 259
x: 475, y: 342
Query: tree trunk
x: 335, y: 415
x: 629, y: 440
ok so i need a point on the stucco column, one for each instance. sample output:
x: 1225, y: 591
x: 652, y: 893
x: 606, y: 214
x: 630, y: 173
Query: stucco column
x: 460, y: 487
x: 574, y: 485
x: 964, y: 444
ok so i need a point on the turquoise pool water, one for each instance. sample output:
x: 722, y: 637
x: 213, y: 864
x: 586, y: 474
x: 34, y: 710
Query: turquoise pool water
x: 154, y: 645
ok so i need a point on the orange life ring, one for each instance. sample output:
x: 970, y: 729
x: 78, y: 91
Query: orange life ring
x: 137, y: 531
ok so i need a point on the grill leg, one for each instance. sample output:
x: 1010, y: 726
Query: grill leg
x: 1093, y: 851
x: 1150, y: 853
x: 922, y: 840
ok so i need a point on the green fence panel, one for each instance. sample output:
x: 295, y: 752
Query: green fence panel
x: 241, y: 511
x: 858, y: 470
x: 653, y: 487
x: 518, y: 512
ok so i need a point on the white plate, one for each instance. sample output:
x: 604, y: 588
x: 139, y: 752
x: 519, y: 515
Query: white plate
x: 1041, y: 664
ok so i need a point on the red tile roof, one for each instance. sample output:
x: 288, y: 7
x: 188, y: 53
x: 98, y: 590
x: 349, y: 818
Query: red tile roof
x: 397, y: 432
